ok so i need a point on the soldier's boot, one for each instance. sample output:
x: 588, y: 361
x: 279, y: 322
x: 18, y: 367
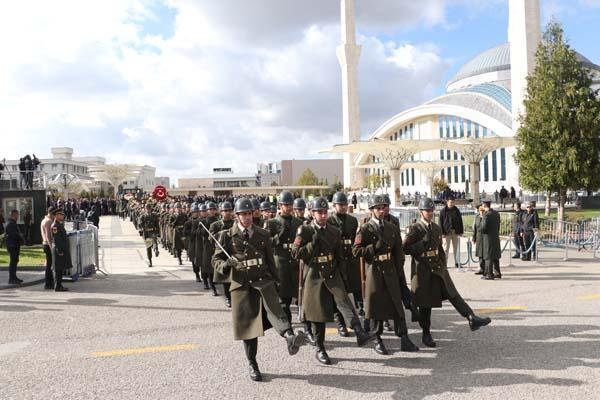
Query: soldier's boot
x: 367, y: 325
x: 380, y: 347
x: 251, y: 347
x: 179, y: 258
x: 227, y: 294
x: 341, y: 325
x: 427, y: 339
x: 294, y: 340
x: 310, y: 338
x: 322, y: 356
x: 212, y: 286
x: 402, y: 332
x: 198, y: 279
x: 425, y: 323
x: 149, y: 254
x: 476, y: 322
x: 387, y: 326
x: 205, y: 280
x: 362, y: 336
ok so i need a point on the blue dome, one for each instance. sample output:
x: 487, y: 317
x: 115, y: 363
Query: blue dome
x: 498, y: 59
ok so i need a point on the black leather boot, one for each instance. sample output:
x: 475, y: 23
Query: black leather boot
x: 294, y: 341
x: 362, y: 336
x: 322, y: 356
x: 427, y: 339
x: 406, y: 344
x: 255, y: 374
x: 380, y: 347
x: 476, y: 322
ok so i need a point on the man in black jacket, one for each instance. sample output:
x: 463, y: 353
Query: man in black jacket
x: 14, y: 240
x: 452, y: 228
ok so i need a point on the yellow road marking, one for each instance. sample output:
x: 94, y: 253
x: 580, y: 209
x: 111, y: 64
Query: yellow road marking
x: 143, y: 350
x: 499, y: 309
x: 589, y: 297
x: 331, y: 331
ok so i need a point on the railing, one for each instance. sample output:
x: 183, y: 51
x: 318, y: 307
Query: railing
x: 23, y: 180
x: 83, y: 245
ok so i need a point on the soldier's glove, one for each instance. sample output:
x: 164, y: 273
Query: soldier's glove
x: 231, y: 263
x: 380, y: 245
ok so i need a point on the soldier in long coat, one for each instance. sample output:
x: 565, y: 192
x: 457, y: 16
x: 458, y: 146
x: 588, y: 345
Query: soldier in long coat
x: 282, y: 230
x: 246, y: 258
x: 380, y: 243
x: 177, y: 222
x: 318, y: 245
x: 149, y: 226
x: 208, y: 246
x: 430, y: 280
x: 189, y: 229
x: 478, y: 240
x: 348, y: 225
x: 490, y: 235
x: 215, y: 229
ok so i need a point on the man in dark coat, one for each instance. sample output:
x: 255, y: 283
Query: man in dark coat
x: 14, y: 241
x: 490, y: 237
x: 477, y: 240
x: 431, y: 282
x: 380, y: 244
x: 318, y: 246
x: 517, y: 221
x: 208, y: 246
x: 245, y: 256
x: 177, y: 223
x: 149, y: 227
x: 189, y: 230
x: 60, y: 250
x: 530, y: 223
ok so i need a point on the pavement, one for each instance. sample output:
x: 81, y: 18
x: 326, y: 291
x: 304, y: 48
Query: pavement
x: 29, y: 275
x: 133, y: 332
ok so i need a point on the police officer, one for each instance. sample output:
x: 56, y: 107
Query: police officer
x: 431, y: 282
x: 528, y: 227
x: 348, y: 225
x: 226, y: 222
x: 189, y: 230
x: 149, y: 225
x: 380, y: 243
x: 282, y: 230
x: 246, y: 258
x: 300, y: 208
x: 60, y: 250
x: 318, y: 244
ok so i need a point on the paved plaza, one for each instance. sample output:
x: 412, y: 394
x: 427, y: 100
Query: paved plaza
x: 134, y: 332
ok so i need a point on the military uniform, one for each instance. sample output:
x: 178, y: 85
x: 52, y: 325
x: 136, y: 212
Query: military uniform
x: 61, y: 254
x: 177, y: 222
x: 189, y: 230
x: 208, y: 250
x: 216, y: 228
x: 149, y: 224
x: 251, y: 271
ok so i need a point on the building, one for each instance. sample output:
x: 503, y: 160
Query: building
x: 482, y: 99
x: 162, y: 181
x: 220, y: 181
x: 328, y: 171
x: 269, y: 174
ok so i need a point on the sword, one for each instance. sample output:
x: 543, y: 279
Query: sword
x: 300, y: 288
x: 215, y: 240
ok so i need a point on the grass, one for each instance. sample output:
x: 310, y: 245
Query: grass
x: 573, y: 215
x: 29, y: 257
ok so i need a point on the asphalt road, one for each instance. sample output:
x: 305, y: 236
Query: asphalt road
x: 141, y: 333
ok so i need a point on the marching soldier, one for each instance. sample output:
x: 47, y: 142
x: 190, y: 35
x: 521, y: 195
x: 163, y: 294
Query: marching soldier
x: 149, y: 226
x: 256, y: 217
x: 380, y: 243
x: 177, y: 223
x: 245, y: 256
x: 348, y: 225
x: 265, y: 212
x: 189, y: 229
x: 300, y: 208
x: 431, y: 282
x: 282, y: 230
x: 207, y: 245
x: 60, y: 250
x: 319, y: 246
x: 226, y: 222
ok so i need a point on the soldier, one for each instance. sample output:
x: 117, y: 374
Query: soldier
x: 380, y: 243
x: 431, y: 282
x: 177, y: 223
x: 528, y: 227
x: 208, y: 246
x: 149, y: 225
x: 60, y: 250
x: 246, y: 258
x: 348, y: 225
x: 256, y: 217
x: 318, y: 244
x: 490, y: 230
x: 477, y: 240
x: 189, y: 229
x: 216, y: 228
x: 300, y: 208
x: 265, y: 212
x: 387, y: 215
x: 273, y: 211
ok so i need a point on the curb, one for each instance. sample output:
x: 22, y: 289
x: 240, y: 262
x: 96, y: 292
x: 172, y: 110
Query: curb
x: 25, y: 269
x: 24, y: 284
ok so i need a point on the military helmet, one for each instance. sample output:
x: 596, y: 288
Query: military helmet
x: 273, y: 208
x: 340, y: 198
x: 386, y: 198
x: 255, y: 203
x: 203, y: 207
x: 286, y: 197
x: 299, y: 204
x: 195, y: 208
x: 426, y: 204
x: 148, y: 206
x: 211, y: 205
x: 376, y: 200
x: 265, y: 206
x: 226, y: 206
x: 320, y: 203
x: 177, y: 205
x: 243, y: 205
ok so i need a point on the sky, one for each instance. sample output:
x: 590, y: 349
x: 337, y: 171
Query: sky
x: 189, y: 85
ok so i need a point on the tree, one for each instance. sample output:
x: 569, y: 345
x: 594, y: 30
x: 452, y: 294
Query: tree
x: 438, y: 185
x: 374, y: 181
x: 559, y: 137
x: 308, y: 178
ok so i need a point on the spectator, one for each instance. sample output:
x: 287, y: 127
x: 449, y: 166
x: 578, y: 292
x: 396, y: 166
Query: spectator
x: 93, y: 217
x: 529, y: 224
x: 490, y: 230
x: 513, y: 193
x: 354, y: 201
x: 517, y: 221
x: 496, y: 196
x: 503, y: 196
x: 452, y: 228
x: 14, y: 240
x: 27, y: 227
x: 46, y: 231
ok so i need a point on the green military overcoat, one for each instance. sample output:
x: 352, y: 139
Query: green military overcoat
x: 348, y: 225
x: 216, y: 228
x: 490, y: 235
x: 283, y: 232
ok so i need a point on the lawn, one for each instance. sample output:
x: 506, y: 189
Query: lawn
x: 29, y: 257
x: 573, y: 215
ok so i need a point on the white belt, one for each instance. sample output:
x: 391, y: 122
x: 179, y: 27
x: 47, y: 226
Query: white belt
x: 253, y: 262
x: 286, y: 245
x: 430, y: 253
x: 347, y: 241
x: 383, y: 257
x: 324, y: 259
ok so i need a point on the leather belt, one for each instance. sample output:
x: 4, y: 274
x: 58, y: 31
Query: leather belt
x: 430, y: 253
x: 253, y: 262
x: 383, y: 257
x: 286, y: 246
x: 347, y: 241
x: 324, y: 259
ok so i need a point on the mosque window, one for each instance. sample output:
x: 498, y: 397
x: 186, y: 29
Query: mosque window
x: 402, y: 178
x: 462, y: 127
x: 449, y: 175
x: 468, y: 128
x: 411, y: 130
x: 486, y: 173
x: 502, y: 164
x: 412, y: 174
x: 462, y: 173
x: 456, y: 174
x: 441, y: 126
x: 494, y: 166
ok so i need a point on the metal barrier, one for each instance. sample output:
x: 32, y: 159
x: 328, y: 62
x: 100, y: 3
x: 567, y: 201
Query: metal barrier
x: 83, y: 245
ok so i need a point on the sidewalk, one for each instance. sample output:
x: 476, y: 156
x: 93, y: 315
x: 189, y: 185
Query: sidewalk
x: 30, y: 276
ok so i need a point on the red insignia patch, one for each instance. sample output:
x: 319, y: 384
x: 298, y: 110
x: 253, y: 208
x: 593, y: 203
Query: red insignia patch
x: 298, y: 241
x: 358, y: 239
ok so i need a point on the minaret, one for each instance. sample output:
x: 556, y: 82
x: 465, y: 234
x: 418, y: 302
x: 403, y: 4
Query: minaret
x: 524, y: 36
x: 348, y: 54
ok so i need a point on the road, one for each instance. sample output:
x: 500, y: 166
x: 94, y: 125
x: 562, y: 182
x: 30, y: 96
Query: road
x: 135, y: 332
